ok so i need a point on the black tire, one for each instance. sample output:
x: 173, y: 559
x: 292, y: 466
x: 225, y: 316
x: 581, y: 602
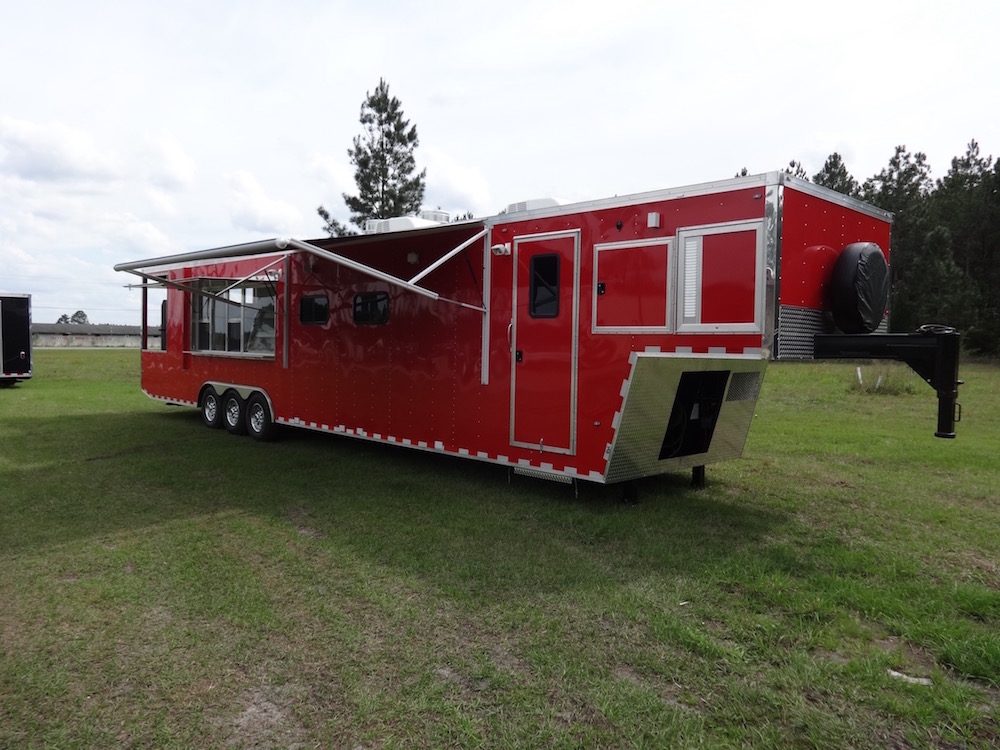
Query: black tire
x: 259, y: 424
x: 211, y: 408
x: 233, y: 411
x: 859, y: 288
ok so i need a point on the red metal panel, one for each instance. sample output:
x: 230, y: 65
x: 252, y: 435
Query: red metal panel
x: 728, y: 274
x: 634, y: 283
x: 814, y: 231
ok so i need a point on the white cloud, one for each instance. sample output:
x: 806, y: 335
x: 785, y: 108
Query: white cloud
x: 123, y: 233
x: 13, y: 256
x: 162, y: 202
x: 454, y: 186
x: 252, y: 209
x: 334, y: 177
x: 169, y: 164
x: 53, y: 152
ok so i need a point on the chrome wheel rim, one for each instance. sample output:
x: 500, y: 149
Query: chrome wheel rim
x: 256, y: 417
x: 211, y: 408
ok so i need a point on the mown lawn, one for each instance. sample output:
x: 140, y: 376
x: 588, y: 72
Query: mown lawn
x: 164, y: 585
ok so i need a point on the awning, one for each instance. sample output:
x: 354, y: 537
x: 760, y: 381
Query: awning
x: 153, y: 269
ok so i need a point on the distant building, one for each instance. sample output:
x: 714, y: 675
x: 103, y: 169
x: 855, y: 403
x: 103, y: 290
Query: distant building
x: 87, y: 335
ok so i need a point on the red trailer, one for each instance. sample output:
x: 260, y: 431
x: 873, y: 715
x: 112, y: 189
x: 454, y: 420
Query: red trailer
x: 602, y: 341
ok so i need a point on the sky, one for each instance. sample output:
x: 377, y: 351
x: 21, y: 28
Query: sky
x: 132, y: 129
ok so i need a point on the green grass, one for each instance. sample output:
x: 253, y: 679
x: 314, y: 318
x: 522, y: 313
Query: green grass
x: 164, y: 585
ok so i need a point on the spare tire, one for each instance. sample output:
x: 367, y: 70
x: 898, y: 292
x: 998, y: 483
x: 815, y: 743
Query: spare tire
x: 859, y: 288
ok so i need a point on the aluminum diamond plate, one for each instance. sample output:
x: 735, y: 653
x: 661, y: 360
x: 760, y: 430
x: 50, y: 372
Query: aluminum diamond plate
x: 647, y: 406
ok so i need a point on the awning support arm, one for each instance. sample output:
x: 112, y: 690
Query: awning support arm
x: 373, y: 272
x: 448, y: 256
x: 251, y: 275
x: 162, y: 280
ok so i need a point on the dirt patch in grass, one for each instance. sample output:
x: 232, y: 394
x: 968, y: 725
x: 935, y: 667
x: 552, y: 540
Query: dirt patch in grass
x: 980, y: 569
x: 299, y: 518
x: 833, y: 657
x: 266, y: 721
x: 469, y: 686
x: 670, y: 693
x: 910, y: 659
x: 576, y: 713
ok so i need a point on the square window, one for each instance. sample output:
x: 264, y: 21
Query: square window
x: 314, y: 309
x: 371, y: 308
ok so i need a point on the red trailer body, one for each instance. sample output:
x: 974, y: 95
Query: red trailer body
x: 604, y: 341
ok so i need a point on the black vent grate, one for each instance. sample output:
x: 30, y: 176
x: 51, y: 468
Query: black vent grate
x: 744, y: 386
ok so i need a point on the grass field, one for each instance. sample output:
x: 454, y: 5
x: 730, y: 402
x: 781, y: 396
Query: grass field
x: 164, y: 585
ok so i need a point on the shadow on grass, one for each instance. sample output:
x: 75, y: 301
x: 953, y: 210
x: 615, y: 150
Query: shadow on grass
x: 463, y: 526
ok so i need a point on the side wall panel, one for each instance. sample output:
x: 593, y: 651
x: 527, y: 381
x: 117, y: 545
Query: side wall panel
x: 814, y: 232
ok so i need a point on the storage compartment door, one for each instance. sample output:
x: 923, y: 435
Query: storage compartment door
x: 630, y: 290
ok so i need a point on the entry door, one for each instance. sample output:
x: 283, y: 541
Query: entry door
x: 544, y: 339
x: 15, y: 335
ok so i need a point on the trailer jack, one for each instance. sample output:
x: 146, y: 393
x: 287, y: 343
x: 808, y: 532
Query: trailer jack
x: 931, y: 351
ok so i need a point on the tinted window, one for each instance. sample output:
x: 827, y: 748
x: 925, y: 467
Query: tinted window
x: 371, y: 308
x: 314, y: 309
x: 544, y: 291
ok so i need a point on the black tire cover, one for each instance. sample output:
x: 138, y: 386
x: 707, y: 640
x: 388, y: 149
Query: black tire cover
x: 859, y: 288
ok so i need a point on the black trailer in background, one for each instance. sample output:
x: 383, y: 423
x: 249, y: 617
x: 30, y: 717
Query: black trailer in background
x: 15, y: 338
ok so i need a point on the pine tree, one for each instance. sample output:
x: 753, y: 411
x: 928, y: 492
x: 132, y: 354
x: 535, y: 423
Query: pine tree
x: 795, y: 169
x: 384, y: 165
x: 934, y: 289
x: 903, y: 188
x: 333, y: 227
x: 962, y: 202
x: 835, y: 176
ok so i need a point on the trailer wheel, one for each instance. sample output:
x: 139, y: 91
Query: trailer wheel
x: 211, y: 408
x: 259, y: 424
x: 233, y: 409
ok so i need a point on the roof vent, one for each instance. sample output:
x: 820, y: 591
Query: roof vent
x: 441, y: 217
x: 402, y: 223
x: 531, y: 205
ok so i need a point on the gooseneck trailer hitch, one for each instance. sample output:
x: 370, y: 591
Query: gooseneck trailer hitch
x: 932, y: 351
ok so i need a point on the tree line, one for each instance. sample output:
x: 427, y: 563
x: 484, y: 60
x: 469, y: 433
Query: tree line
x: 945, y: 251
